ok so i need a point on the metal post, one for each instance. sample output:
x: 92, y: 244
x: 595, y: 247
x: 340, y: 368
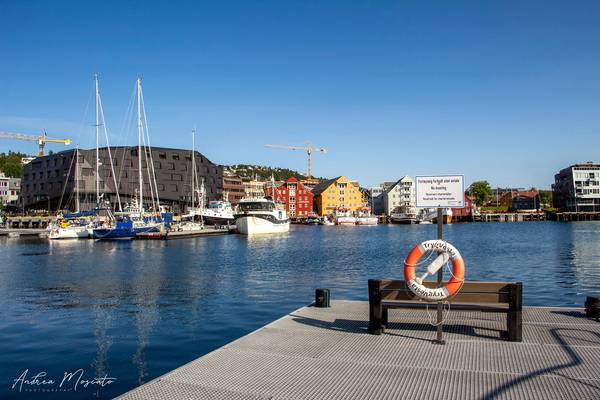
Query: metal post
x: 440, y: 277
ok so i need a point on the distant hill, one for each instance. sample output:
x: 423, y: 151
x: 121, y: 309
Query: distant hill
x: 264, y: 173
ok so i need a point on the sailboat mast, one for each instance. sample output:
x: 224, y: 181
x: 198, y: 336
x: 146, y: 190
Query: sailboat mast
x: 139, y: 103
x: 97, y: 142
x: 193, y: 163
x: 77, y: 180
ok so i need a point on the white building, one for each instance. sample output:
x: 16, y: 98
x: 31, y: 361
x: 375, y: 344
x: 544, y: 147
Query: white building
x: 577, y: 188
x: 10, y: 188
x: 4, y: 188
x: 400, y: 194
x: 253, y: 188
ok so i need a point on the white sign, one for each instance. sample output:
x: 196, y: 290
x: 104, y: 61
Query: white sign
x: 447, y: 191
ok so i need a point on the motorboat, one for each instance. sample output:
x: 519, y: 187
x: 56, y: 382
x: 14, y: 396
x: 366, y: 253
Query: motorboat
x: 365, y: 217
x: 255, y: 216
x: 217, y: 212
x: 430, y: 216
x: 343, y: 216
x: 312, y: 219
x: 327, y: 221
x: 404, y: 215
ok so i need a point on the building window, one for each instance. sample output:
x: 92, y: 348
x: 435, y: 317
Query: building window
x: 162, y: 156
x: 175, y: 156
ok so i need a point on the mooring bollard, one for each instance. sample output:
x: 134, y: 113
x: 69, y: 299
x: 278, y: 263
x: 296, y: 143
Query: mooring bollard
x: 592, y: 307
x: 322, y: 297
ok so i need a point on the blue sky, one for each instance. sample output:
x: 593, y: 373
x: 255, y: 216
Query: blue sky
x: 503, y: 91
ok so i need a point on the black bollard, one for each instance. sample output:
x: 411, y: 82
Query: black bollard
x: 592, y: 307
x: 322, y: 298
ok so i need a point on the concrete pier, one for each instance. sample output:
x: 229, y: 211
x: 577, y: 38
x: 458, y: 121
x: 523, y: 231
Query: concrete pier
x: 512, y: 217
x: 326, y: 353
x: 22, y: 232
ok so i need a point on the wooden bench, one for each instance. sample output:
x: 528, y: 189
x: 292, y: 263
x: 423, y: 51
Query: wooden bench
x: 486, y: 296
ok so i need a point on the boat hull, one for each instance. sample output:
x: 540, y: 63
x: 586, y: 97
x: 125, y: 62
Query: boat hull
x: 252, y: 225
x: 312, y: 221
x: 367, y: 221
x: 403, y: 221
x: 114, y: 234
x: 214, y: 220
x: 68, y: 233
x: 345, y: 220
x: 446, y: 219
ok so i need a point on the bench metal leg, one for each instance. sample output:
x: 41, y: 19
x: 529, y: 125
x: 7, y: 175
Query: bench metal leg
x: 514, y: 318
x: 375, y: 308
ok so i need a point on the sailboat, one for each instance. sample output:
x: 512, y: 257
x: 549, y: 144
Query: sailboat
x: 146, y: 224
x: 112, y: 229
x: 193, y: 221
x: 69, y: 226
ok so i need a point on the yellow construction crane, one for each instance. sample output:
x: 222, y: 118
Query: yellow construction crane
x: 40, y: 139
x: 309, y: 150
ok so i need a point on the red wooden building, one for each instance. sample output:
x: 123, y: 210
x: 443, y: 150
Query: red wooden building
x: 298, y: 199
x: 464, y: 214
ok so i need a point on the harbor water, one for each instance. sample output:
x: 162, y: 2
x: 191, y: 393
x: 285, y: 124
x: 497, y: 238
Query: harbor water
x: 132, y: 311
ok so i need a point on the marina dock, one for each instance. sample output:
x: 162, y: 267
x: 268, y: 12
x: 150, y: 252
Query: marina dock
x: 22, y: 232
x: 326, y: 353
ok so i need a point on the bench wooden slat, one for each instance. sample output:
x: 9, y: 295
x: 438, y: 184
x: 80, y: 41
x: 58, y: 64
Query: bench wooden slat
x: 480, y: 287
x: 461, y: 297
x: 454, y: 306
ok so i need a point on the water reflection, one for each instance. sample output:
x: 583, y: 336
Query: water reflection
x: 135, y: 310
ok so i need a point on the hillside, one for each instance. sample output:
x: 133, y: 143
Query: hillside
x: 263, y: 172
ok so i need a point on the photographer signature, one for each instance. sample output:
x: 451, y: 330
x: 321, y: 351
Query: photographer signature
x: 70, y: 381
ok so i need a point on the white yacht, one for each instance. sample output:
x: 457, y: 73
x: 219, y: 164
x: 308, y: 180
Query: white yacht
x: 260, y: 216
x: 217, y: 212
x: 365, y: 217
x: 343, y: 216
x: 404, y: 215
x: 429, y: 215
x: 65, y: 229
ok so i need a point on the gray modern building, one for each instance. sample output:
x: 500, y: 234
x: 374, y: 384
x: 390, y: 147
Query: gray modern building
x: 577, y: 188
x: 49, y: 181
x: 376, y: 200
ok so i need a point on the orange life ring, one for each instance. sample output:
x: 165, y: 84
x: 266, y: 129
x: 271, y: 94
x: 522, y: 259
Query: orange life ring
x: 447, y: 253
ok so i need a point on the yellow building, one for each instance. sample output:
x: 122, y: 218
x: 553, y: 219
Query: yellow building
x: 337, y: 192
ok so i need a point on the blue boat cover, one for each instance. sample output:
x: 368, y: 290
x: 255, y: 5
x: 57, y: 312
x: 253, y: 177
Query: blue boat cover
x: 89, y: 213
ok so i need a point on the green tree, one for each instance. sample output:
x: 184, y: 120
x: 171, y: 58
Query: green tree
x: 10, y: 164
x: 546, y: 197
x: 481, y: 191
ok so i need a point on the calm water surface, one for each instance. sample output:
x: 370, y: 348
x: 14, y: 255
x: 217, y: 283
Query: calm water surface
x: 136, y: 310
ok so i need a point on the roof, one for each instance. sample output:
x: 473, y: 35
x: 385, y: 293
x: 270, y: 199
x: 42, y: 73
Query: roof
x: 321, y: 187
x: 389, y: 189
x: 529, y: 194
